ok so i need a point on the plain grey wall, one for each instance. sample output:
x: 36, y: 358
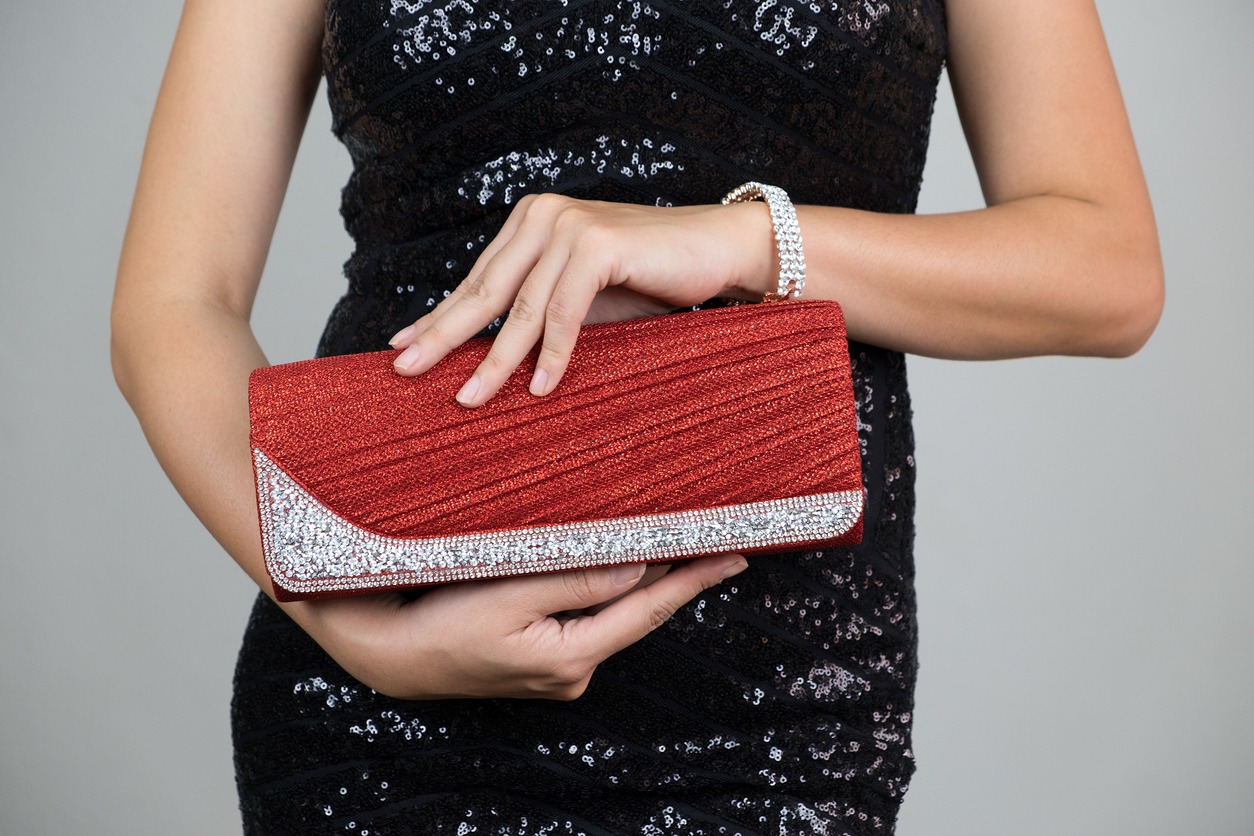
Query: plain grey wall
x: 1085, y: 572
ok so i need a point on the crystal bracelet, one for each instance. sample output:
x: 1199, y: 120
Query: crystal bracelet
x: 792, y: 261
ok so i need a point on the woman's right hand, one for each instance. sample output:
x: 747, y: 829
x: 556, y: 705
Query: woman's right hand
x: 539, y: 636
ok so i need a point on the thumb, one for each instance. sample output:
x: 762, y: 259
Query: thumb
x: 543, y: 595
x: 635, y: 615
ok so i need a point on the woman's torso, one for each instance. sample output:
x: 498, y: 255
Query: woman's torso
x: 777, y: 703
x: 454, y: 109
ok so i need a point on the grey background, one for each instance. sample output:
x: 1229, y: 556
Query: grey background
x: 1084, y: 550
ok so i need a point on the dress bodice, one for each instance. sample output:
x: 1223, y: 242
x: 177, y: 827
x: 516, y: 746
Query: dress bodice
x: 453, y: 109
x: 780, y: 701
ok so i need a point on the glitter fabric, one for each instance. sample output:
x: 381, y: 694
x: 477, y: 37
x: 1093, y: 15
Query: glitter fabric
x: 779, y: 702
x: 717, y: 430
x: 312, y: 551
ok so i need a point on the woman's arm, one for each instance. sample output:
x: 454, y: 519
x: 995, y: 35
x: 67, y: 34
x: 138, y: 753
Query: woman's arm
x: 220, y: 149
x: 1063, y: 261
x: 224, y: 135
x: 1065, y: 258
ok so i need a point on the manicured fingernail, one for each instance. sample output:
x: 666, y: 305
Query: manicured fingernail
x: 626, y: 573
x: 402, y: 334
x: 734, y: 567
x: 539, y: 382
x: 468, y: 391
x: 408, y: 358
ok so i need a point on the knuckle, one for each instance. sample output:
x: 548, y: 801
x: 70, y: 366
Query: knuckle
x: 522, y: 311
x: 570, y: 679
x: 552, y: 358
x: 579, y: 585
x: 596, y: 238
x: 571, y: 692
x: 660, y: 614
x: 569, y: 217
x: 560, y: 313
x: 439, y: 335
x: 570, y: 672
x: 548, y: 203
x: 474, y: 290
x: 494, y: 363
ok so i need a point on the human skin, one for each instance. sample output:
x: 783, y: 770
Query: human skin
x: 1063, y: 261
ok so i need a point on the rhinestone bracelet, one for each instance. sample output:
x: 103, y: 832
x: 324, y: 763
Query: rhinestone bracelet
x: 792, y: 261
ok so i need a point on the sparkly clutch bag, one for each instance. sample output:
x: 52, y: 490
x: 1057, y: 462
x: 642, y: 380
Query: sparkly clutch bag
x: 693, y: 433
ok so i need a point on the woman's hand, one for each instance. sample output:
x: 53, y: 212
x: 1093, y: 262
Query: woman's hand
x: 538, y: 636
x: 559, y: 262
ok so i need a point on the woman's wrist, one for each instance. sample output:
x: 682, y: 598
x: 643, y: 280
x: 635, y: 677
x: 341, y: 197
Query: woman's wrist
x: 791, y: 279
x: 755, y: 262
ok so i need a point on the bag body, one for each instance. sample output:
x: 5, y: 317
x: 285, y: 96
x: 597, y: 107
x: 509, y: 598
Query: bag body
x: 731, y: 429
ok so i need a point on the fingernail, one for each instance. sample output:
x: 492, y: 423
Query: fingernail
x: 408, y: 358
x: 468, y: 391
x: 734, y: 567
x: 626, y: 573
x: 539, y: 382
x: 402, y: 334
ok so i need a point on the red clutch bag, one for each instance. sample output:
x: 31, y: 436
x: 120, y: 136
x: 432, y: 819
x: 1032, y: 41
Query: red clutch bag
x: 721, y: 430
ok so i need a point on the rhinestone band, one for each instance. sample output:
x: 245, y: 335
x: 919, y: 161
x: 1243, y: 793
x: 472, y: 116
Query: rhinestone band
x: 792, y: 261
x: 311, y: 549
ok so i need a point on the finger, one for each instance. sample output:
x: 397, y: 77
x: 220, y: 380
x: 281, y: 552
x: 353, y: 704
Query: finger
x: 651, y: 573
x: 406, y: 336
x: 634, y: 616
x: 476, y: 303
x: 568, y: 305
x: 535, y: 597
x: 520, y: 332
x: 480, y: 300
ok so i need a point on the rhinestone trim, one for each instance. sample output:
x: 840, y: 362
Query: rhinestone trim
x: 310, y: 549
x: 792, y: 259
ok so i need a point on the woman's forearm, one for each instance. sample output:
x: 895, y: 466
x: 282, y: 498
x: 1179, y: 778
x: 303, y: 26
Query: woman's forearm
x: 1040, y: 275
x: 1064, y: 261
x: 220, y: 149
x: 182, y: 363
x: 183, y: 366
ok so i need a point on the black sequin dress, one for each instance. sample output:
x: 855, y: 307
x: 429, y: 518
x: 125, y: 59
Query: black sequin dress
x: 779, y: 702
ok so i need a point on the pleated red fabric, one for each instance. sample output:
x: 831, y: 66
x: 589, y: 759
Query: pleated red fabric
x: 677, y: 413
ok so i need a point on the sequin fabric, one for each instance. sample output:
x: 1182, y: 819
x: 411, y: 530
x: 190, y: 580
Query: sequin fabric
x: 777, y: 703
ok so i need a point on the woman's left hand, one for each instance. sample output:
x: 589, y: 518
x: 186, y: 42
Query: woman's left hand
x: 559, y: 262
